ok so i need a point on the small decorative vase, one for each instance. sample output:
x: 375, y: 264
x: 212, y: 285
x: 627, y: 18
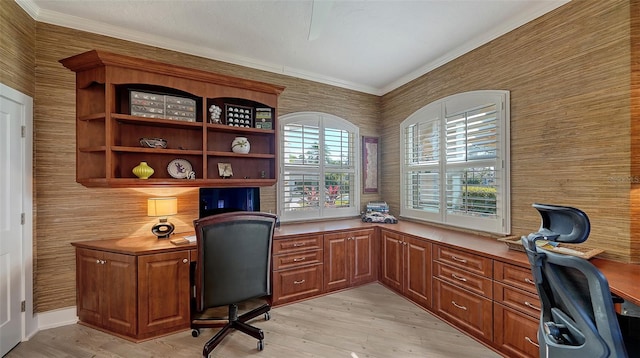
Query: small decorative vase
x: 143, y: 170
x: 240, y: 145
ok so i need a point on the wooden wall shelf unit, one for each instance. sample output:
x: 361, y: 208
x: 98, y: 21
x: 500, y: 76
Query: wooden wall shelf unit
x: 108, y: 135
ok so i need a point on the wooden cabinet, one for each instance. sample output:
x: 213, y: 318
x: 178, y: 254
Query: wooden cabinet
x: 106, y: 290
x: 516, y: 311
x: 297, y: 268
x: 134, y: 296
x: 163, y: 293
x: 349, y: 259
x: 406, y: 266
x: 108, y: 135
x: 463, y: 290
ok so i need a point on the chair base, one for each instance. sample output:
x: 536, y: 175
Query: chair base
x: 235, y: 322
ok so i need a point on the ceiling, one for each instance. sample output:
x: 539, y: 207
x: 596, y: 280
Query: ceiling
x: 368, y: 46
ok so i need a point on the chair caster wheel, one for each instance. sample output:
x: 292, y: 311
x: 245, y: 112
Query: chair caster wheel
x: 195, y: 332
x: 260, y: 345
x: 267, y: 316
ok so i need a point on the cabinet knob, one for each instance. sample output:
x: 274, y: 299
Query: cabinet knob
x: 184, y: 261
x: 528, y: 280
x: 459, y: 306
x: 454, y: 258
x: 531, y: 305
x: 531, y: 341
x: 98, y: 261
x: 459, y: 278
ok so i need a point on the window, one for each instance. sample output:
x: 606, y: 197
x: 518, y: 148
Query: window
x: 455, y: 162
x: 319, y: 154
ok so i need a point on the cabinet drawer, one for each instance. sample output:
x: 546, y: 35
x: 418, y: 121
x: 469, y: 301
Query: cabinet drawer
x: 519, y: 300
x: 296, y: 259
x: 465, y: 260
x: 474, y: 283
x: 516, y: 334
x: 295, y: 284
x: 467, y: 311
x: 300, y: 243
x: 516, y: 276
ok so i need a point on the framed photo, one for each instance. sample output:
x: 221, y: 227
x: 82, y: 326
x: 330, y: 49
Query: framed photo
x: 370, y: 164
x: 264, y: 118
x: 225, y: 171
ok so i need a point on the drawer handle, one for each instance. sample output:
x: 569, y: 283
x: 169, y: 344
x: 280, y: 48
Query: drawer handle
x: 532, y: 342
x: 298, y: 259
x: 458, y: 259
x: 527, y: 280
x: 458, y: 277
x: 457, y: 305
x: 298, y: 244
x: 298, y: 282
x: 530, y: 305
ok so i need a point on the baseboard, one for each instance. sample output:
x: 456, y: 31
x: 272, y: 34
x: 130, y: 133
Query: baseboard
x: 57, y: 318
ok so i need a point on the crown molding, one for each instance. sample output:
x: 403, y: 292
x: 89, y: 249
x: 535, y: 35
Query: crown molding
x: 542, y: 8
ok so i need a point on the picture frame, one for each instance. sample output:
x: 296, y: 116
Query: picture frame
x: 370, y: 151
x: 225, y: 170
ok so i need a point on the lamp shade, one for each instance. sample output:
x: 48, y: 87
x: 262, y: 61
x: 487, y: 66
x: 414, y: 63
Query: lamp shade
x: 162, y: 206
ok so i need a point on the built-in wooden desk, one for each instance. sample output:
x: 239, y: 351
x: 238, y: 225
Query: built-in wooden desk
x: 139, y: 288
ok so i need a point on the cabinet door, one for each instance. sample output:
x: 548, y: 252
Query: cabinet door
x: 163, y: 293
x: 516, y: 334
x: 119, y: 293
x: 392, y: 266
x: 467, y: 311
x: 89, y: 278
x: 336, y: 263
x: 361, y: 254
x: 417, y: 263
x: 295, y: 284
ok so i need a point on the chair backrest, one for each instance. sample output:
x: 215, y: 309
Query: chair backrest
x: 234, y: 258
x: 577, y: 312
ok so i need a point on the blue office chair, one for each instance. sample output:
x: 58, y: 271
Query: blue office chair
x: 578, y: 318
x: 234, y: 265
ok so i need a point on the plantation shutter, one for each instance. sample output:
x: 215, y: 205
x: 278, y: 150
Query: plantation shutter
x: 455, y: 162
x: 319, y: 174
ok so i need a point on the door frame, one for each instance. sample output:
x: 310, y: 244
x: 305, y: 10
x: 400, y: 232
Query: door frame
x: 29, y: 318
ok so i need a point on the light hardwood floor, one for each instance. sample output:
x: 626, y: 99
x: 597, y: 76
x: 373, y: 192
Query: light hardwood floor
x: 365, y: 322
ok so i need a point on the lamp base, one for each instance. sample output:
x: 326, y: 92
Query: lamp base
x: 163, y: 229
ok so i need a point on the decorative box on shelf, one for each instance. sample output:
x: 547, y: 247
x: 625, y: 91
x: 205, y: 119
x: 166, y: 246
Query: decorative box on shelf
x: 264, y: 118
x: 157, y: 105
x: 238, y: 116
x: 515, y: 243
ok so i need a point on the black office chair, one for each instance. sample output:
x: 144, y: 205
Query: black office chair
x: 234, y: 265
x: 578, y: 318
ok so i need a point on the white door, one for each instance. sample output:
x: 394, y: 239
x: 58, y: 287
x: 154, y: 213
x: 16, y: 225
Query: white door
x: 11, y: 235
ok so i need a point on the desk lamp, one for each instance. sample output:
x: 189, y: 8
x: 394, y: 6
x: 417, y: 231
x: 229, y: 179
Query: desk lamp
x: 162, y: 207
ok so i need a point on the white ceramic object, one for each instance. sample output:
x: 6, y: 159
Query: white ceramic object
x: 240, y: 145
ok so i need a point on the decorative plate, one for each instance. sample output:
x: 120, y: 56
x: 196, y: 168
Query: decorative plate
x: 179, y: 168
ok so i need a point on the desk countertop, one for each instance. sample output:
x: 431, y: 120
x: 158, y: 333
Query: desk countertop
x: 624, y: 279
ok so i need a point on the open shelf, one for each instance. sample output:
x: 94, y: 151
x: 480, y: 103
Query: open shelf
x: 172, y: 103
